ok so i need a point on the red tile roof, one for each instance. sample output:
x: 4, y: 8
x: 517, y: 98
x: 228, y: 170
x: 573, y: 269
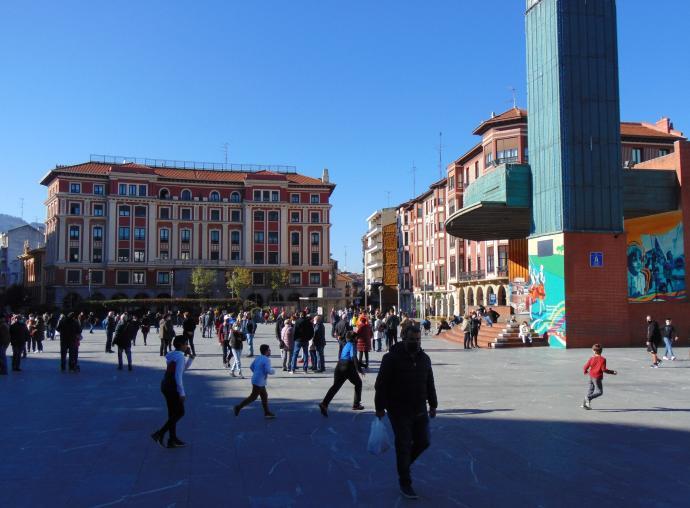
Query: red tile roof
x: 104, y: 169
x: 507, y: 116
x: 642, y: 130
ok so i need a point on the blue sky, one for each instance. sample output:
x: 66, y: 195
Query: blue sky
x: 362, y: 88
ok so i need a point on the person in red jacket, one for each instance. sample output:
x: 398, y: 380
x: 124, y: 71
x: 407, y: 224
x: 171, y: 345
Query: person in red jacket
x: 364, y: 336
x: 595, y: 367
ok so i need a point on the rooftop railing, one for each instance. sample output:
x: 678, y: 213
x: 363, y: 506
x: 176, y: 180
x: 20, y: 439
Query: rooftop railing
x: 192, y: 165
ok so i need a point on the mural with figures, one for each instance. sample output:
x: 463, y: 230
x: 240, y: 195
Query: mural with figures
x: 656, y: 258
x: 546, y: 298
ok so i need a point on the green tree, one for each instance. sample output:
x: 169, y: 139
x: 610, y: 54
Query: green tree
x: 238, y: 280
x: 202, y: 280
x: 277, y: 280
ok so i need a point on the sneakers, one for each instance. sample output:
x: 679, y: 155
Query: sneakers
x: 358, y: 407
x: 292, y: 372
x: 673, y: 358
x: 408, y: 492
x: 236, y: 410
x: 324, y: 409
x: 586, y: 404
x: 232, y: 373
x: 665, y: 357
x: 158, y: 438
x: 654, y: 366
x: 269, y: 416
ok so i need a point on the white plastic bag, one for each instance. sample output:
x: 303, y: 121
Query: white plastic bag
x: 379, y: 441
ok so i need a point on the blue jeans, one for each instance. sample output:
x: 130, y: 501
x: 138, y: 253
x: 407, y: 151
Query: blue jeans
x: 320, y: 360
x: 304, y: 346
x: 488, y: 320
x: 250, y: 343
x: 669, y: 347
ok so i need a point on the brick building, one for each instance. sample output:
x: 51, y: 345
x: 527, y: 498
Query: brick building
x: 132, y: 229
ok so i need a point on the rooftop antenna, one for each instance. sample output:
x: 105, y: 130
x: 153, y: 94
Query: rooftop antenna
x: 514, y: 92
x: 226, y: 147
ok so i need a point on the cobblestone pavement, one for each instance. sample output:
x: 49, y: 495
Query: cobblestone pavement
x: 509, y: 432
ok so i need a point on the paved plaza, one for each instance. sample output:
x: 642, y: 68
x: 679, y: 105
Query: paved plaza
x: 509, y: 432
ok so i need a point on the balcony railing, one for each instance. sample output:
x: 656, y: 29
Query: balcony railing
x: 475, y: 275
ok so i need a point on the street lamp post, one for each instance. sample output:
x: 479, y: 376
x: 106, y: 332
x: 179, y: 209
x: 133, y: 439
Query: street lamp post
x: 172, y: 284
x: 381, y: 297
x: 89, y: 276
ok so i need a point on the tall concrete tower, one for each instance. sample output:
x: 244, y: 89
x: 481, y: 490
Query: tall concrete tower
x: 577, y: 241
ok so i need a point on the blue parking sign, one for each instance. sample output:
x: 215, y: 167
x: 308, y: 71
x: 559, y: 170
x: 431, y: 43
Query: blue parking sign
x: 596, y: 259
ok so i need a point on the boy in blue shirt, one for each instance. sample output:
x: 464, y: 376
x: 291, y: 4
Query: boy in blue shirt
x: 261, y: 368
x: 348, y: 369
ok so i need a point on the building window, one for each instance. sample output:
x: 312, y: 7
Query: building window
x: 163, y: 278
x: 235, y: 255
x: 294, y: 198
x: 272, y: 258
x: 267, y: 195
x: 294, y: 259
x: 123, y: 255
x: 164, y: 235
x: 479, y: 263
x: 186, y: 195
x: 476, y: 170
x: 295, y: 278
x: 257, y: 195
x: 139, y: 256
x: 451, y: 182
x: 315, y: 279
x: 663, y: 152
x: 214, y: 196
x: 73, y: 254
x: 258, y: 278
x: 165, y: 254
x: 215, y: 237
x: 315, y: 259
x: 96, y: 277
x: 142, y: 190
x: 122, y: 277
x: 122, y: 189
x: 73, y: 276
x: 294, y: 238
x: 137, y: 277
x: 185, y: 255
x: 315, y: 239
x: 123, y: 211
x: 132, y: 189
x: 502, y: 257
x: 75, y: 188
x: 186, y: 213
x: 215, y: 215
x: 259, y: 258
x: 234, y: 237
x: 215, y: 255
x: 315, y: 217
x: 99, y: 189
x: 123, y: 233
x: 235, y: 216
x: 637, y: 155
x: 294, y: 216
x: 314, y: 199
x: 98, y: 234
x: 273, y: 216
x: 74, y: 232
x: 140, y: 233
x: 97, y: 256
x: 275, y: 196
x: 258, y: 237
x: 258, y: 216
x: 140, y: 211
x: 273, y: 237
x: 489, y: 158
x: 165, y: 213
x: 235, y: 197
x: 490, y: 261
x: 185, y: 235
x: 75, y: 208
x: 98, y: 210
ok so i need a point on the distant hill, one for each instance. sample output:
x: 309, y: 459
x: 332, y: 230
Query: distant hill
x: 8, y: 222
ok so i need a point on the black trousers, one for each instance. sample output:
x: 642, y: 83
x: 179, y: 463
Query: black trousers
x: 190, y: 341
x: 344, y: 371
x: 65, y: 348
x: 175, y: 409
x: 468, y: 340
x: 411, y: 439
x: 109, y: 340
x: 257, y: 391
x: 17, y: 349
x: 165, y: 345
x: 391, y: 338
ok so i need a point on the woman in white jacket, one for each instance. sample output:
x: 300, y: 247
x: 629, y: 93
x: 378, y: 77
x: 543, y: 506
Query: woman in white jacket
x: 379, y: 331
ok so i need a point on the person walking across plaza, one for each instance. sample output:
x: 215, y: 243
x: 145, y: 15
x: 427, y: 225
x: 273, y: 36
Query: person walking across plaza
x: 172, y: 387
x: 392, y: 322
x: 319, y: 343
x: 304, y: 331
x: 669, y: 334
x: 404, y: 386
x: 166, y: 332
x: 339, y: 332
x: 4, y: 344
x: 596, y: 368
x: 364, y: 336
x: 653, y: 337
x: 123, y: 340
x: 288, y: 341
x: 261, y: 368
x: 348, y: 369
x: 236, y: 340
x: 188, y: 327
x: 110, y: 324
x: 19, y: 335
x: 70, y: 333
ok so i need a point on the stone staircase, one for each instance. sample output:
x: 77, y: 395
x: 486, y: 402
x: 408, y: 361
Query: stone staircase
x: 501, y: 335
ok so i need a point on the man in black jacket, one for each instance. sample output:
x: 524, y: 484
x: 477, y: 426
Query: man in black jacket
x: 304, y: 331
x: 340, y: 332
x: 404, y: 385
x: 19, y: 334
x: 110, y: 324
x: 69, y: 330
x: 319, y: 344
x: 280, y: 321
x: 653, y: 337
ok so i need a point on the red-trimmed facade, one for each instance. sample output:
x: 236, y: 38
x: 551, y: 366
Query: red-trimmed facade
x: 139, y: 230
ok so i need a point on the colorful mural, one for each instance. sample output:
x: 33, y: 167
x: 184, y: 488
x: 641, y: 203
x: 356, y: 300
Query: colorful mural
x: 546, y: 299
x: 656, y: 258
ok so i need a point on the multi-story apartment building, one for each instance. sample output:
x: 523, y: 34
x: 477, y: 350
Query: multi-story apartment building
x: 375, y: 267
x: 12, y: 245
x: 138, y: 229
x: 481, y: 274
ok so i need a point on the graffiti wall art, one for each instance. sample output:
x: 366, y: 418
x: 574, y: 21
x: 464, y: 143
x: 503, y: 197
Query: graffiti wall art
x: 546, y: 288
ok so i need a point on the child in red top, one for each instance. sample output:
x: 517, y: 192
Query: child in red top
x: 595, y: 367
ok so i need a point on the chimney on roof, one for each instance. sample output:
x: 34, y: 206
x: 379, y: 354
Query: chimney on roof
x: 324, y: 176
x: 664, y: 125
x: 493, y: 114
